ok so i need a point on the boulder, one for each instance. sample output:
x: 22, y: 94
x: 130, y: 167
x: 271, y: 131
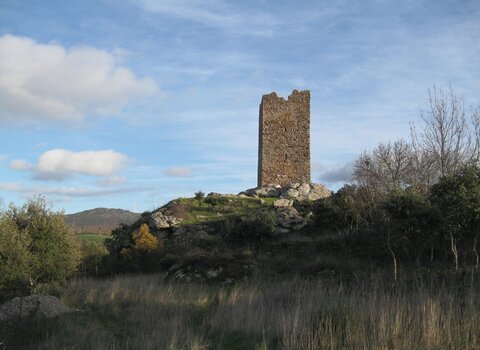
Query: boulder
x: 290, y: 193
x: 304, y: 189
x: 289, y: 218
x: 283, y: 203
x: 38, y: 306
x: 159, y: 220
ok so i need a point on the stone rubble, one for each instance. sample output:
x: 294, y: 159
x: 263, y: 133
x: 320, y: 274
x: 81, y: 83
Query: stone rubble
x: 297, y: 191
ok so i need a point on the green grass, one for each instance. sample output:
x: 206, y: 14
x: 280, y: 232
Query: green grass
x: 91, y: 237
x: 210, y: 209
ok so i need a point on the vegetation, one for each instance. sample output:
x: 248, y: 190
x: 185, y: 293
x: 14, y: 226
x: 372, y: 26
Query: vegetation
x: 36, y: 247
x: 143, y: 312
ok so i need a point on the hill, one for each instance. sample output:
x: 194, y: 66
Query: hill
x: 100, y: 220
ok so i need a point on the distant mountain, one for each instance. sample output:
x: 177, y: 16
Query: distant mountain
x: 100, y: 220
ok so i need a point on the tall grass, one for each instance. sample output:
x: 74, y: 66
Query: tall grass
x: 144, y: 312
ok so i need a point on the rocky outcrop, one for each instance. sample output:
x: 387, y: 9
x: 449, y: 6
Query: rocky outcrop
x: 288, y: 219
x: 159, y: 221
x: 298, y: 191
x: 38, y: 306
x: 280, y: 203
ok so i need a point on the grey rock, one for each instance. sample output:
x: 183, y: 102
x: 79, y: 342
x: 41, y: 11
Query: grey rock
x: 159, y: 220
x: 290, y: 193
x: 289, y: 218
x: 303, y: 189
x: 283, y: 203
x: 38, y: 306
x: 213, y: 273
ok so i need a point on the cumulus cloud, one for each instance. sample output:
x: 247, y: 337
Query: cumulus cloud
x: 178, y: 171
x: 50, y: 82
x: 59, y: 164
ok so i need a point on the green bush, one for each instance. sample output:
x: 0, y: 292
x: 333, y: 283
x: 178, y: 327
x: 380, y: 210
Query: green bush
x: 199, y: 195
x: 93, y: 254
x: 37, y: 247
x: 251, y: 228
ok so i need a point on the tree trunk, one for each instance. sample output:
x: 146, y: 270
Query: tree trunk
x: 453, y: 243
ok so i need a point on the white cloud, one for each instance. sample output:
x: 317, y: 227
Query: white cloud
x: 178, y: 171
x: 9, y: 186
x: 68, y: 191
x: 59, y: 164
x: 111, y: 181
x: 50, y: 82
x: 19, y: 164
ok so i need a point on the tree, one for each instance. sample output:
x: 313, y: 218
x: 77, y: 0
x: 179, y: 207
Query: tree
x: 144, y: 240
x: 15, y: 258
x: 388, y: 167
x: 37, y: 245
x: 448, y: 139
x: 413, y: 220
x: 458, y: 199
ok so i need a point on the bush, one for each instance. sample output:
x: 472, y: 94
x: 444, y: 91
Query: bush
x: 199, y: 195
x: 37, y: 247
x: 144, y: 240
x: 93, y: 254
x: 252, y: 228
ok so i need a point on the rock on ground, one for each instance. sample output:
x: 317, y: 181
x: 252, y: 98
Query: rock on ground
x: 159, y: 220
x: 38, y: 306
x: 298, y: 191
x: 289, y: 218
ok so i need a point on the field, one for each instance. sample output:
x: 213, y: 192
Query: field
x: 91, y: 237
x: 146, y: 312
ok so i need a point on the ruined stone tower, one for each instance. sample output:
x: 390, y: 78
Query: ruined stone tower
x: 284, y: 139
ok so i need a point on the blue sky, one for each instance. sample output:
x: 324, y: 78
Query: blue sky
x: 131, y: 103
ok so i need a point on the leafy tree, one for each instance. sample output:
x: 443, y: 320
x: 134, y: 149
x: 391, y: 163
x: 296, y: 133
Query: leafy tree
x: 36, y: 245
x: 15, y: 258
x: 413, y: 220
x: 144, y: 241
x: 458, y: 199
x: 92, y: 254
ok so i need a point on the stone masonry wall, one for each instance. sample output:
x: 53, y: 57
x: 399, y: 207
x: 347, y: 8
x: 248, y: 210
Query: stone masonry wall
x: 284, y: 139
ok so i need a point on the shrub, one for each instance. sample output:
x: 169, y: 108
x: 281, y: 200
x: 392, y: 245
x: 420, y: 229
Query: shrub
x: 251, y: 228
x: 92, y: 255
x: 144, y: 240
x: 37, y: 246
x: 199, y: 195
x: 15, y: 258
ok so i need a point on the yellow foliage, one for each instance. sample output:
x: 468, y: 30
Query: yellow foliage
x: 125, y: 252
x: 144, y: 240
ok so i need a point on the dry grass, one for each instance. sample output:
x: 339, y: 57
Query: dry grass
x: 144, y: 312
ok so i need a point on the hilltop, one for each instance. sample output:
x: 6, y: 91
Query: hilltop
x: 100, y: 220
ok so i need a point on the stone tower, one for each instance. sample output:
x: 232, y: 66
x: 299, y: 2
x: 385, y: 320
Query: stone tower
x: 284, y: 139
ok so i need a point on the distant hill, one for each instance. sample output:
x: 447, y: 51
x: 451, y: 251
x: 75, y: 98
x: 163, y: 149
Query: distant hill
x: 100, y: 220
